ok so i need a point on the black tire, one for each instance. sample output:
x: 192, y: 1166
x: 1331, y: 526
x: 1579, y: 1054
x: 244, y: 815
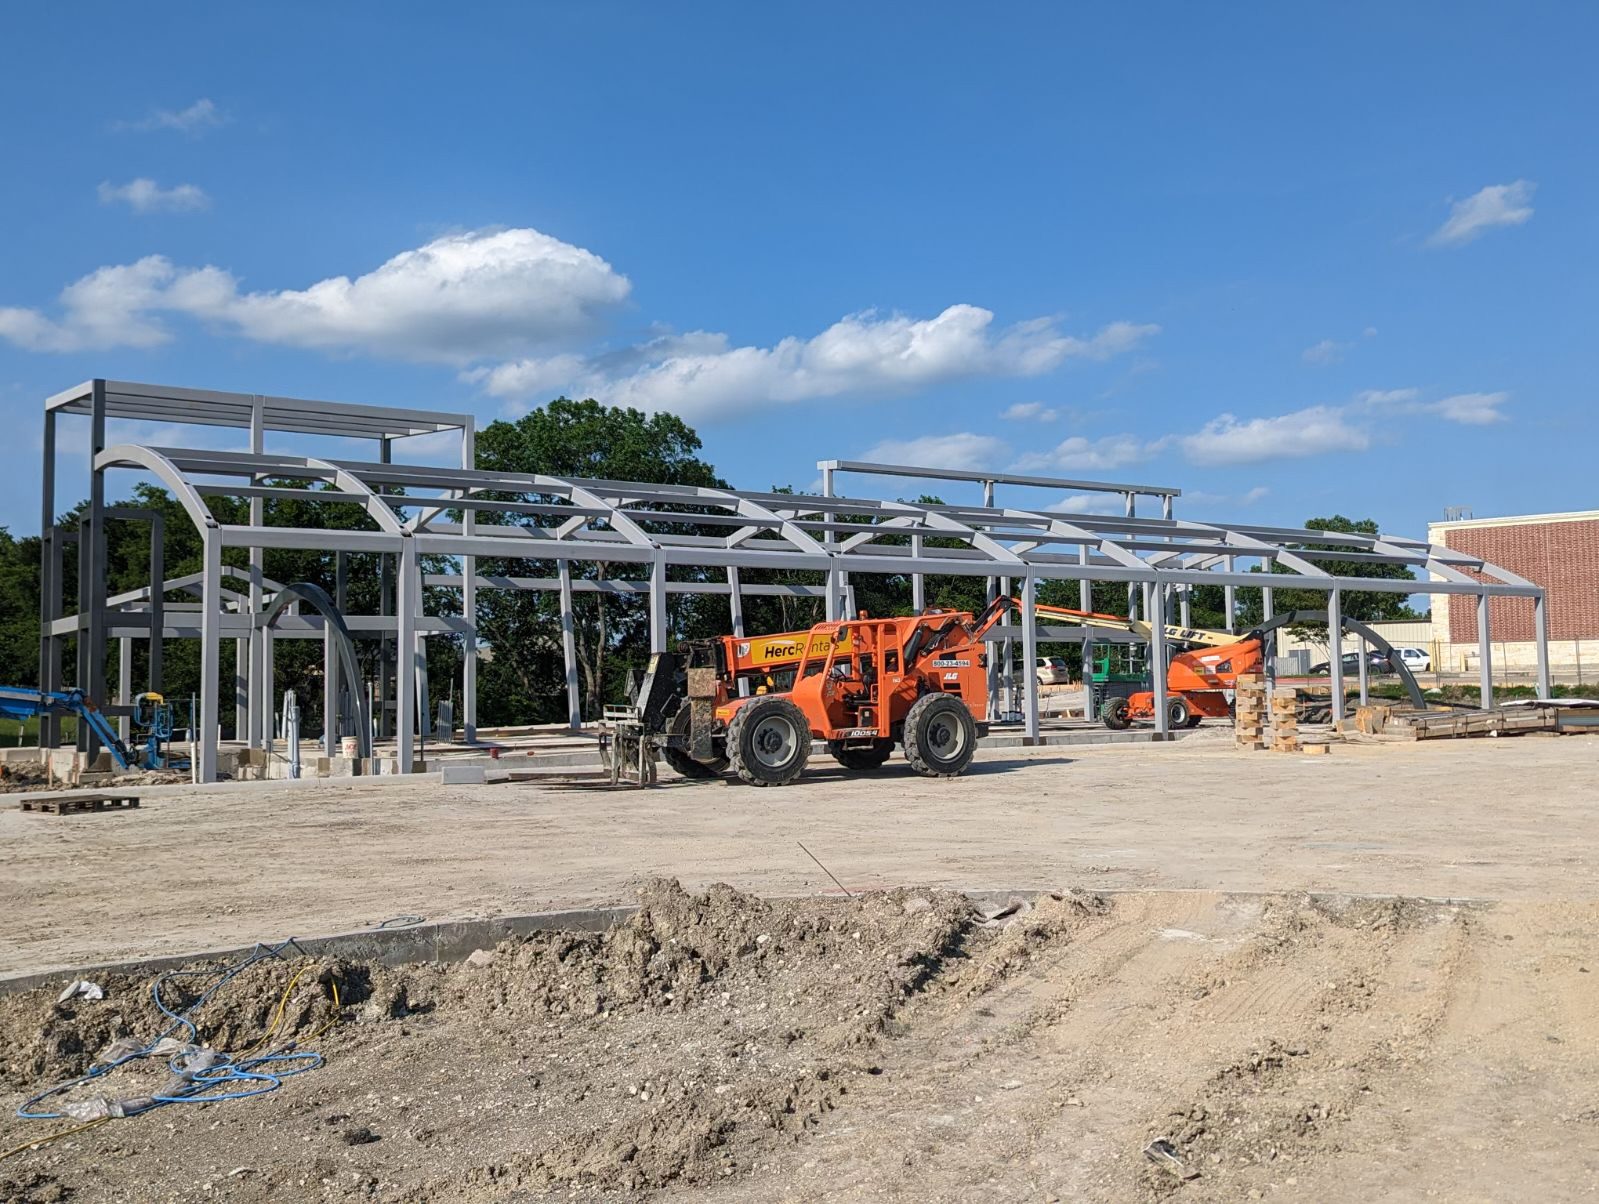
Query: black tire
x: 1194, y: 720
x: 686, y: 766
x: 1179, y: 714
x: 861, y: 760
x: 1114, y: 715
x: 768, y: 742
x: 679, y: 759
x: 940, y: 736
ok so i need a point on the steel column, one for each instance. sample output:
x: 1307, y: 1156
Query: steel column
x: 574, y: 706
x: 1131, y: 506
x: 1030, y: 655
x: 658, y: 614
x: 918, y: 582
x: 93, y: 590
x: 1230, y: 595
x: 241, y: 690
x: 1540, y: 635
x: 1335, y: 650
x: 735, y: 606
x: 469, y: 601
x: 1362, y: 673
x: 210, y: 655
x: 49, y: 580
x: 1485, y: 664
x: 124, y: 685
x: 1157, y: 660
x: 408, y: 605
x: 256, y: 731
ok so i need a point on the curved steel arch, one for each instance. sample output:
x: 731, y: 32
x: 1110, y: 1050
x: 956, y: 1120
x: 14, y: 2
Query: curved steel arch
x: 1360, y: 629
x: 317, y: 597
x: 137, y: 455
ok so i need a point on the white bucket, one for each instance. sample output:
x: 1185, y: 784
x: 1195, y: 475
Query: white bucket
x: 349, y: 746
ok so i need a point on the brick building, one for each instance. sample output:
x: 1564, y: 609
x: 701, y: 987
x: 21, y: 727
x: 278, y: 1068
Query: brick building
x: 1557, y: 551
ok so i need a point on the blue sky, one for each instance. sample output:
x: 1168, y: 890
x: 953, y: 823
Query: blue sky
x: 1293, y: 259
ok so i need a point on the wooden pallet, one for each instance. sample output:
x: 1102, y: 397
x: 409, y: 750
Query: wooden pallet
x: 81, y: 805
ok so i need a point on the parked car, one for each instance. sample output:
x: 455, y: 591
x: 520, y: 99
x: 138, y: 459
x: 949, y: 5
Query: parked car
x: 1417, y: 660
x: 1052, y: 671
x: 1376, y: 662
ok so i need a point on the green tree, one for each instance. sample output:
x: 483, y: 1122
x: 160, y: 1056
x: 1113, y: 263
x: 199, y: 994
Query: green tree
x: 521, y: 677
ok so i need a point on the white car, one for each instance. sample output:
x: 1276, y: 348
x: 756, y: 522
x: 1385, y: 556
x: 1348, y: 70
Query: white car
x: 1417, y: 660
x: 1052, y: 671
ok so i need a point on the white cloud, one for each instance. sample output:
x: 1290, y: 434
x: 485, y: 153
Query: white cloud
x: 1307, y: 432
x: 460, y: 297
x: 959, y: 451
x: 1495, y: 205
x: 1327, y: 351
x: 146, y: 196
x: 1473, y: 409
x: 1470, y: 409
x: 202, y: 115
x: 1089, y: 503
x: 1078, y: 454
x: 702, y: 375
x: 1372, y: 398
x: 1024, y: 411
x: 1205, y: 500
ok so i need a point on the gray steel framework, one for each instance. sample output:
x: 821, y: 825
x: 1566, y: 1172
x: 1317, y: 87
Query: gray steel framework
x: 465, y: 513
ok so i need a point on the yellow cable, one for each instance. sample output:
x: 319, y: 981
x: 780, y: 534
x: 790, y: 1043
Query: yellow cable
x: 44, y: 1141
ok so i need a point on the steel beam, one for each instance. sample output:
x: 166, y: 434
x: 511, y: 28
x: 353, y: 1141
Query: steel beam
x: 658, y: 614
x: 574, y: 705
x: 1335, y: 650
x: 1030, y: 655
x: 1157, y: 662
x: 1540, y: 635
x: 210, y: 657
x: 1485, y: 662
x: 408, y: 606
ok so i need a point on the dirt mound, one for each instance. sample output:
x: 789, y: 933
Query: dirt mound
x: 758, y: 1016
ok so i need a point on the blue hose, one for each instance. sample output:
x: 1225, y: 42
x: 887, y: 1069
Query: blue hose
x: 267, y: 1070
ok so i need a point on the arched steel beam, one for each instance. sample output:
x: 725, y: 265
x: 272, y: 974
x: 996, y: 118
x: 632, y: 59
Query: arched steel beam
x: 347, y: 482
x: 317, y: 597
x: 125, y: 455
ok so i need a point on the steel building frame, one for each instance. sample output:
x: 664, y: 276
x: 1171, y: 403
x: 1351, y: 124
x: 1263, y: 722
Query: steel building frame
x: 466, y: 513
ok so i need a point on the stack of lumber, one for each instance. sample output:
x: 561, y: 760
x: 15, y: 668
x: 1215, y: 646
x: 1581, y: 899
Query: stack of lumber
x: 1285, y: 719
x: 1502, y: 721
x: 1249, y: 711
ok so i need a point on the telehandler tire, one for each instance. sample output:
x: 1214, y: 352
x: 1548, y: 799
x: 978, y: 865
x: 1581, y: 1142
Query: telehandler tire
x: 940, y: 736
x: 768, y: 742
x: 1115, y: 715
x: 684, y: 764
x: 861, y: 760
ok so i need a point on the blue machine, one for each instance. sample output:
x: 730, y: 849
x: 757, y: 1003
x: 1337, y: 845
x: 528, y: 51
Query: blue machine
x: 152, y: 716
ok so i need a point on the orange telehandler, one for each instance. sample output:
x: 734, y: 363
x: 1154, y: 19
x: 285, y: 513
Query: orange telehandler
x: 861, y: 685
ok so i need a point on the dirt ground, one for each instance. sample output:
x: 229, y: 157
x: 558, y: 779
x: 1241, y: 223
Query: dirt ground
x: 1487, y: 819
x: 1187, y: 982
x: 722, y: 1048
